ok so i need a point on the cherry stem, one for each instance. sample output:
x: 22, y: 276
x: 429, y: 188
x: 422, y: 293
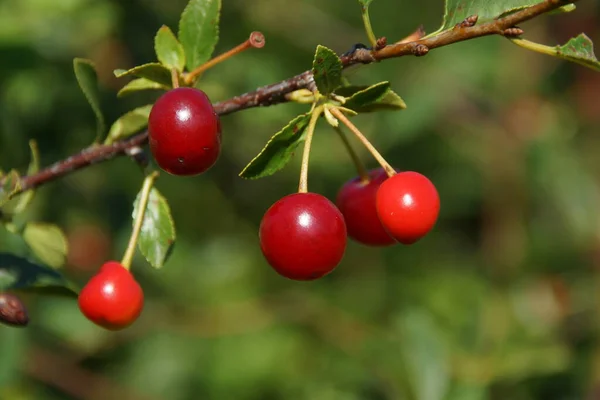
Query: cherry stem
x: 368, y: 28
x: 174, y: 78
x: 256, y: 40
x: 139, y: 219
x: 310, y: 130
x: 386, y: 166
x: 360, y: 167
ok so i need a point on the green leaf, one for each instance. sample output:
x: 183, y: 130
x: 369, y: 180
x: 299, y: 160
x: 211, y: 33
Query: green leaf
x: 155, y: 72
x: 367, y: 96
x: 34, y: 167
x: 129, y: 123
x: 140, y: 84
x: 199, y: 31
x: 47, y: 242
x: 168, y: 49
x: 86, y: 75
x: 327, y: 70
x: 157, y: 235
x: 378, y: 97
x: 456, y: 11
x: 10, y: 184
x: 278, y: 150
x: 424, y: 354
x: 17, y: 273
x: 579, y: 50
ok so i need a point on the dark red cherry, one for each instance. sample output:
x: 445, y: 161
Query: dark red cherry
x: 303, y: 236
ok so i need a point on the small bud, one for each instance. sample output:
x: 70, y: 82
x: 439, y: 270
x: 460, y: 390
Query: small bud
x: 468, y: 22
x: 381, y: 43
x: 12, y: 310
x: 513, y: 32
x: 420, y: 50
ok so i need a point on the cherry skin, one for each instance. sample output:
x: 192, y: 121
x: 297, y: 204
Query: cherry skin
x: 112, y: 299
x: 408, y: 206
x: 184, y: 132
x: 356, y: 201
x: 303, y: 236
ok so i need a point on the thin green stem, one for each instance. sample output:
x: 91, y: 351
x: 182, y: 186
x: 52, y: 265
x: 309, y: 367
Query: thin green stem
x: 360, y: 167
x: 540, y: 48
x: 310, y: 130
x: 368, y: 28
x: 139, y: 219
x: 389, y: 170
x: 174, y: 78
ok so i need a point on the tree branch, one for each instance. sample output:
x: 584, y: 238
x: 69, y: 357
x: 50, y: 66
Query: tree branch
x: 276, y: 93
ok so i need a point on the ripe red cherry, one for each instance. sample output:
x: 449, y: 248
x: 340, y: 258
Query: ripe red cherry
x: 408, y: 205
x: 112, y: 299
x: 356, y: 201
x: 303, y: 236
x: 184, y: 132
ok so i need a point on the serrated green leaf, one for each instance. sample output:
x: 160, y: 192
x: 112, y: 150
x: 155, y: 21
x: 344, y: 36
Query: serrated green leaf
x: 199, y: 31
x: 579, y: 50
x: 168, y: 49
x: 157, y: 235
x: 455, y: 11
x: 371, y: 99
x: 155, y: 72
x: 278, y: 150
x: 367, y: 96
x: 47, y: 242
x: 85, y: 72
x: 34, y: 167
x: 140, y: 84
x: 129, y: 123
x: 17, y: 273
x: 327, y: 70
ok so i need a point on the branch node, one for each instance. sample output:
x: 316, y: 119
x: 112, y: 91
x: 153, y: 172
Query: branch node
x: 420, y: 50
x: 513, y: 32
x: 468, y: 22
x: 363, y: 56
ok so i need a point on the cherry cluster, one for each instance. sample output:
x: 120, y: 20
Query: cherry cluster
x: 303, y: 236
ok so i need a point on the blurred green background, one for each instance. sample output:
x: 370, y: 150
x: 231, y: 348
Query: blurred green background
x: 500, y: 301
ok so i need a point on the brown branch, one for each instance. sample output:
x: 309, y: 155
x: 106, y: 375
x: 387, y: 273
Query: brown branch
x: 275, y: 93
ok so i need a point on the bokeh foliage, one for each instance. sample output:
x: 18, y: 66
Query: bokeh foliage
x: 499, y: 302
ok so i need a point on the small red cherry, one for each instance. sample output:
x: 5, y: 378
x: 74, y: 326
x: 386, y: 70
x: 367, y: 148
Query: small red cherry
x: 303, y: 236
x: 408, y: 206
x: 184, y: 132
x: 112, y: 299
x: 356, y: 201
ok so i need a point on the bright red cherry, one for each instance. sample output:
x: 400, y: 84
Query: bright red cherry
x: 408, y: 205
x: 356, y: 201
x: 303, y: 236
x: 184, y: 132
x: 112, y: 299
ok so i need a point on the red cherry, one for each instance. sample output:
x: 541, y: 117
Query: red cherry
x: 184, y: 132
x: 408, y: 205
x: 356, y: 201
x: 303, y: 236
x: 112, y: 299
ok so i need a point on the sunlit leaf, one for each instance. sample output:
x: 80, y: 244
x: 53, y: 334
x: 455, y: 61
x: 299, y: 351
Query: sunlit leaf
x: 129, y: 123
x: 140, y: 84
x: 47, y: 242
x: 157, y: 235
x: 168, y: 49
x: 378, y: 97
x: 199, y: 30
